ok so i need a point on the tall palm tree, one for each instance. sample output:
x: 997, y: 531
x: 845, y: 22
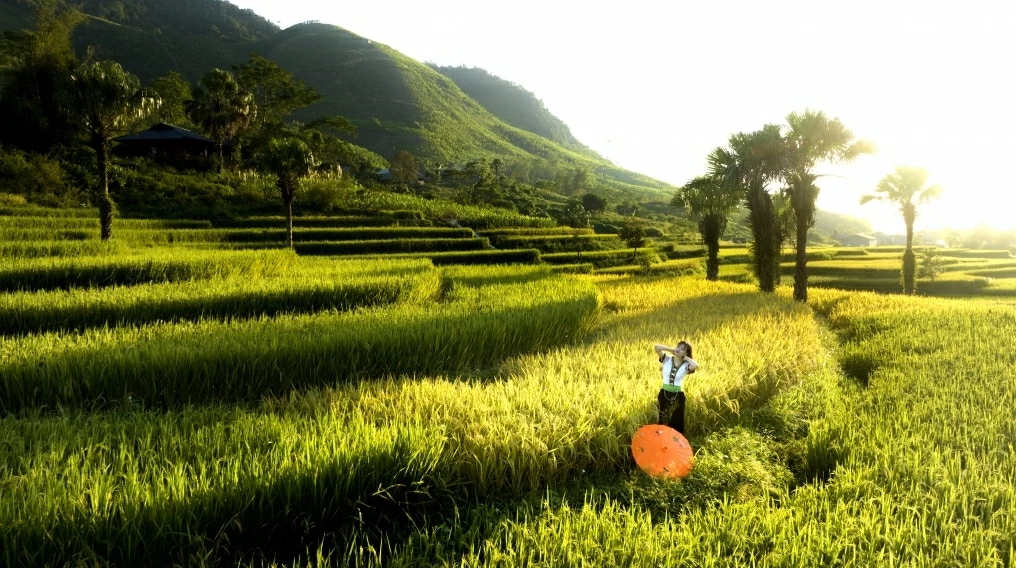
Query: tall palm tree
x: 906, y: 188
x: 750, y: 163
x: 108, y: 99
x: 220, y: 107
x: 290, y: 160
x: 709, y: 200
x: 812, y: 138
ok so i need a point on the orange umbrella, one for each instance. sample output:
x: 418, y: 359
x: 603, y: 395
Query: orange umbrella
x: 662, y: 451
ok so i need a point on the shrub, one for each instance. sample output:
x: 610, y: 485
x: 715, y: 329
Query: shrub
x: 390, y: 246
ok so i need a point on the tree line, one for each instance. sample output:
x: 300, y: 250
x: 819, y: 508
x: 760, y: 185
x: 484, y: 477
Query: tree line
x: 52, y: 100
x: 774, y: 173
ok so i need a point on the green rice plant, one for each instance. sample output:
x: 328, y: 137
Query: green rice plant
x: 927, y: 477
x: 605, y: 258
x: 676, y: 252
x: 952, y: 253
x: 390, y: 246
x: 536, y: 231
x: 581, y: 268
x: 25, y: 222
x: 478, y: 276
x: 41, y: 249
x: 555, y: 243
x: 34, y: 211
x: 322, y: 222
x: 35, y: 234
x: 214, y: 484
x: 351, y: 234
x: 444, y: 211
x: 683, y: 267
x: 574, y: 408
x: 204, y: 483
x: 157, y: 266
x: 306, y: 288
x: 177, y: 364
x: 483, y: 257
x: 479, y: 257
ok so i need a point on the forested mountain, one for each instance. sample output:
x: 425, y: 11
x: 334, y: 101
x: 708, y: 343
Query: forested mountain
x: 395, y: 102
x: 513, y: 104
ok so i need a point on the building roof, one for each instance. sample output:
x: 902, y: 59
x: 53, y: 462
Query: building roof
x: 162, y: 131
x: 861, y: 236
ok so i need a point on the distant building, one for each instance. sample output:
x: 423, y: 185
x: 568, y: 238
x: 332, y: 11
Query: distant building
x: 166, y: 139
x: 889, y: 240
x: 858, y: 240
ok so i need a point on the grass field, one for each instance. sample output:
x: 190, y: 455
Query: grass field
x: 175, y: 405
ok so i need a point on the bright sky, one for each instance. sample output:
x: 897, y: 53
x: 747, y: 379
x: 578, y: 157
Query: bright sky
x: 654, y: 85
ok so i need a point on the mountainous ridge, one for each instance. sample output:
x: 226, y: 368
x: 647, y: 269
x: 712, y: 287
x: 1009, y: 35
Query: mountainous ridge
x: 395, y: 102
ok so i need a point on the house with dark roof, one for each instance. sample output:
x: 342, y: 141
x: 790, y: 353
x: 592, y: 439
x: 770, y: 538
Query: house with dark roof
x: 858, y: 240
x: 166, y: 139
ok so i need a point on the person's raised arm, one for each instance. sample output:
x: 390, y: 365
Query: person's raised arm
x: 661, y: 349
x: 692, y: 364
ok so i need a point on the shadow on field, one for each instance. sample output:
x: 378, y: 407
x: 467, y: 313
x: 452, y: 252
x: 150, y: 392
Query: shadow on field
x: 174, y: 367
x: 380, y: 493
x: 722, y: 309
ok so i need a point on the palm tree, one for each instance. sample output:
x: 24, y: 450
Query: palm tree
x: 220, y: 107
x: 812, y: 138
x: 906, y: 188
x: 708, y: 199
x: 290, y: 160
x: 749, y: 164
x: 108, y: 99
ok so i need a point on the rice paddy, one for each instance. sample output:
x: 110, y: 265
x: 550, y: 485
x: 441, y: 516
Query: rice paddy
x: 163, y: 404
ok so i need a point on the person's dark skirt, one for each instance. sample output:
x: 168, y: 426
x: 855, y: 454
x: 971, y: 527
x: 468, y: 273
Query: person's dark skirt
x: 672, y: 403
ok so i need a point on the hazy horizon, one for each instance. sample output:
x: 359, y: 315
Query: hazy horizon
x: 654, y: 87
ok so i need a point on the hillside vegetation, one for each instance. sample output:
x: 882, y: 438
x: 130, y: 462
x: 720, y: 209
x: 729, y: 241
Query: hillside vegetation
x: 513, y: 104
x: 395, y: 102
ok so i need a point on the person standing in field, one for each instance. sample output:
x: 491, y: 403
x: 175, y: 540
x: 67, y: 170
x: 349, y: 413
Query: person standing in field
x: 677, y: 364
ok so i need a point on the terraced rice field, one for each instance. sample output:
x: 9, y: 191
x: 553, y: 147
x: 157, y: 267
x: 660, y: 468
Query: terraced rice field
x: 165, y: 404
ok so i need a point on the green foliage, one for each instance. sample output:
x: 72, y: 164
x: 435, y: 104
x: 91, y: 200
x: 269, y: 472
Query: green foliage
x: 107, y: 100
x: 276, y: 93
x: 174, y: 91
x: 40, y: 180
x: 633, y: 233
x: 479, y: 257
x: 558, y: 243
x: 162, y: 366
x: 289, y: 160
x: 749, y: 163
x: 710, y: 201
x: 98, y: 272
x: 573, y: 214
x: 514, y: 105
x: 395, y: 245
x: 812, y: 138
x: 593, y: 203
x: 35, y: 81
x: 403, y: 169
x: 221, y: 108
x: 306, y: 287
x: 931, y: 264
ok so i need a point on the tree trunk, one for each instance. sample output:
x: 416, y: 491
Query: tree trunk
x: 711, y: 228
x: 801, y: 260
x: 289, y: 220
x: 765, y: 247
x: 222, y: 154
x: 909, y: 260
x: 107, y: 209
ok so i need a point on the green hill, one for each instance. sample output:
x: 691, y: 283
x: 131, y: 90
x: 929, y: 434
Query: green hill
x: 396, y: 103
x: 513, y: 104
